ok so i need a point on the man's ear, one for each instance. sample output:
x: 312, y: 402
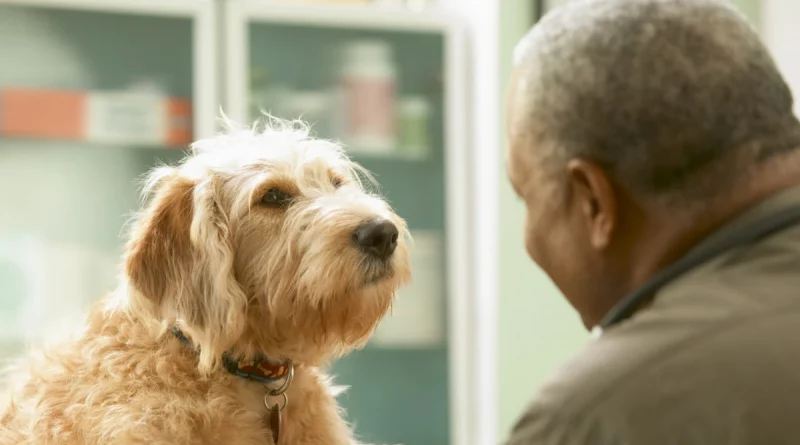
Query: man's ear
x: 594, y: 192
x: 160, y: 248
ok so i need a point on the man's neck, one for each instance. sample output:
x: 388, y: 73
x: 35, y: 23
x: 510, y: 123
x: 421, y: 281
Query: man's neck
x: 668, y: 236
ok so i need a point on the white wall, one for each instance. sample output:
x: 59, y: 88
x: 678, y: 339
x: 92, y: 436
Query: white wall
x: 780, y: 27
x: 476, y: 407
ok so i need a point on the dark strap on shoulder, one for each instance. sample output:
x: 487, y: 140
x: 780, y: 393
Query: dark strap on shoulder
x: 759, y: 230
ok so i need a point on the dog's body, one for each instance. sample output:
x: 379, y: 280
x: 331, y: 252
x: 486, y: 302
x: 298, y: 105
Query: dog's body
x: 261, y: 244
x: 119, y: 385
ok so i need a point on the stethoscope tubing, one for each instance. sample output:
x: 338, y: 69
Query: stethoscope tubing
x: 697, y: 257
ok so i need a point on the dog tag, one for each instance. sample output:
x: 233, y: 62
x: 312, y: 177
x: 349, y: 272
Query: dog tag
x: 275, y: 419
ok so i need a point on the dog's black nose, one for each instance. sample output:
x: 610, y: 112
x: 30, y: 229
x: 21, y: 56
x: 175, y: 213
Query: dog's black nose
x: 377, y: 238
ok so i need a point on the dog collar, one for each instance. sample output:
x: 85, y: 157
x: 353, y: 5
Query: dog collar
x: 261, y: 369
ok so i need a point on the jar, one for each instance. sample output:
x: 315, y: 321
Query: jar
x: 415, y: 113
x: 367, y: 81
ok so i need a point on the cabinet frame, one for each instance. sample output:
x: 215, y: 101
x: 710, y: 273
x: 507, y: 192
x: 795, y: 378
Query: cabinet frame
x: 464, y: 407
x: 205, y: 95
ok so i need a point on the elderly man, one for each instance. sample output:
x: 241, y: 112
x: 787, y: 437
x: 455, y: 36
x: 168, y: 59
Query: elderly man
x: 654, y: 145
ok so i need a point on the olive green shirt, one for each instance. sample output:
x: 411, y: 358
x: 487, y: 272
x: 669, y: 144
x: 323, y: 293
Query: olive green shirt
x: 715, y: 360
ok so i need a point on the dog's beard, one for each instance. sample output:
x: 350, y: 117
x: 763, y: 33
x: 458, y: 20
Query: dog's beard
x: 376, y: 271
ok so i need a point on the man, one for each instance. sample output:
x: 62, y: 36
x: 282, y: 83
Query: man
x: 643, y: 131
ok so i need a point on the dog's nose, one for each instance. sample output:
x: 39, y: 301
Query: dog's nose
x: 377, y: 238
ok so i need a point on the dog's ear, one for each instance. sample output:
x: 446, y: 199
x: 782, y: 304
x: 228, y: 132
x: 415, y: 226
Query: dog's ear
x: 180, y: 262
x: 160, y: 245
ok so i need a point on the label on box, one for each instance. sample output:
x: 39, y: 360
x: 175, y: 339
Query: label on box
x: 127, y: 117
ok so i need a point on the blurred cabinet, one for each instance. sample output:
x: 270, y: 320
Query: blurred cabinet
x: 387, y: 85
x: 94, y: 93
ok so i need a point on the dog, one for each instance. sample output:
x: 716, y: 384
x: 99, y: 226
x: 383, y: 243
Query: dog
x: 255, y: 262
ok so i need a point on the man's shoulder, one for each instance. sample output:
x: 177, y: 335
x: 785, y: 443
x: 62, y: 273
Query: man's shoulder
x: 560, y: 412
x: 663, y: 370
x: 604, y: 364
x: 575, y: 403
x: 670, y: 365
x: 676, y: 331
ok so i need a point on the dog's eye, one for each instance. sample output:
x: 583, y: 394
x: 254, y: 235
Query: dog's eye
x: 337, y: 181
x: 275, y: 198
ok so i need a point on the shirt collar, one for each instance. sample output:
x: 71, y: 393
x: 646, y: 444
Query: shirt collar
x: 763, y: 209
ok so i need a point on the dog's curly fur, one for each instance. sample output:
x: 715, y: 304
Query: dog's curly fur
x: 236, y: 277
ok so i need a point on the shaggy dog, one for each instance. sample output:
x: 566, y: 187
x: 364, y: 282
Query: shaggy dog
x: 258, y: 260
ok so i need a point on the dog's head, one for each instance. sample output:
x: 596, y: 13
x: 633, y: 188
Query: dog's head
x: 266, y: 241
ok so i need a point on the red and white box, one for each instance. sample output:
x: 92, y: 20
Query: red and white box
x: 114, y: 117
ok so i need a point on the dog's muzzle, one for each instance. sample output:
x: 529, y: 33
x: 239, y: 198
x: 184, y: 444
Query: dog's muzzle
x: 377, y: 238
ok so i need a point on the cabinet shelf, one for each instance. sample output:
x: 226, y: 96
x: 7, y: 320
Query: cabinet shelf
x: 56, y: 143
x: 363, y: 156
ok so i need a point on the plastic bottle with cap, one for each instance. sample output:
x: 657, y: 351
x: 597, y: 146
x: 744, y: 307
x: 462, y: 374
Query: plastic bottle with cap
x: 415, y: 113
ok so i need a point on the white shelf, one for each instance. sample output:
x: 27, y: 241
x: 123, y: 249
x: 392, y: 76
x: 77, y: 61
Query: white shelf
x: 48, y: 142
x: 377, y: 156
x: 179, y: 8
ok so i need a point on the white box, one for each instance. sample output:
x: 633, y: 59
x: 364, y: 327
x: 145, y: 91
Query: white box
x: 417, y: 318
x: 127, y: 117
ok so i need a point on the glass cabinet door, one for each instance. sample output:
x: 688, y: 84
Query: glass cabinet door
x: 92, y: 95
x: 376, y: 82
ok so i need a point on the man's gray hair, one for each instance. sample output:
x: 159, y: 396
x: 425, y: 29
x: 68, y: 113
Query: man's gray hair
x: 674, y: 97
